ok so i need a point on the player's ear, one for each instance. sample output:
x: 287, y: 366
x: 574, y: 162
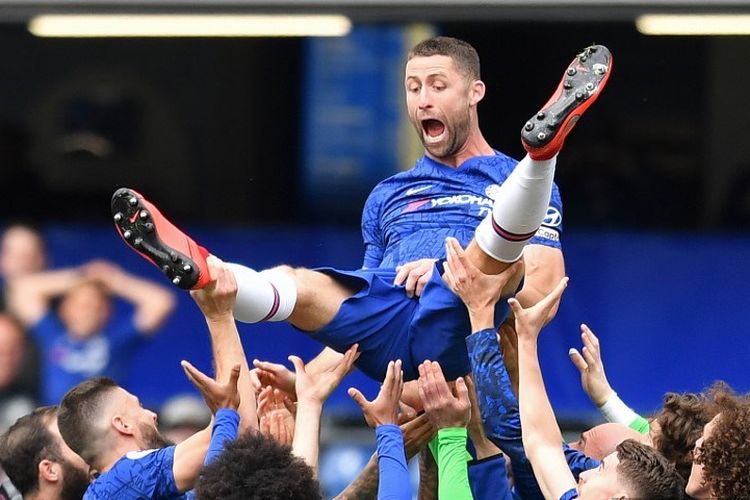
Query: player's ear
x: 50, y: 471
x: 476, y: 92
x: 122, y: 425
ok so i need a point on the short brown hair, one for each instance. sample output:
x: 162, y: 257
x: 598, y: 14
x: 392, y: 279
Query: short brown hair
x: 463, y: 54
x: 79, y: 411
x: 647, y: 472
x: 725, y: 455
x: 681, y: 422
x: 25, y: 445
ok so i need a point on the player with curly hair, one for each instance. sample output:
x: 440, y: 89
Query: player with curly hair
x: 254, y: 467
x: 722, y: 454
x: 678, y: 425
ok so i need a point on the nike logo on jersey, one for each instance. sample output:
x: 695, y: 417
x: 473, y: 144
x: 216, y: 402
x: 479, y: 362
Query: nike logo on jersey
x: 416, y: 190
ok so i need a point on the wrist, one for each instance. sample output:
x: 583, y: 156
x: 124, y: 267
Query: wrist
x: 451, y: 424
x: 385, y: 420
x: 219, y: 318
x: 602, y: 398
x: 482, y: 318
x: 309, y: 403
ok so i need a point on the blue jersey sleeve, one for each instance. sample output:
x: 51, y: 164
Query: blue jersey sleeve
x: 137, y: 475
x: 372, y: 234
x: 393, y: 479
x: 578, y: 462
x: 499, y: 408
x: 224, y: 429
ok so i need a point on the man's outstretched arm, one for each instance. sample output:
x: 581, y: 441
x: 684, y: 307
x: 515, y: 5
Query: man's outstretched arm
x: 216, y: 301
x: 594, y: 381
x: 541, y: 434
x: 223, y: 399
x: 312, y: 391
x: 497, y: 401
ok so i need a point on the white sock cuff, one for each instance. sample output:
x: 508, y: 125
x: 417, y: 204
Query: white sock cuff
x: 286, y: 289
x: 266, y: 296
x: 496, y: 247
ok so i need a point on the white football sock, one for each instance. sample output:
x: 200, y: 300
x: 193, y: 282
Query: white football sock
x: 268, y: 295
x: 518, y: 211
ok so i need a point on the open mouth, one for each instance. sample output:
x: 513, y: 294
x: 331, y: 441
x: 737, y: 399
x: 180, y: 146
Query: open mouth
x: 433, y: 130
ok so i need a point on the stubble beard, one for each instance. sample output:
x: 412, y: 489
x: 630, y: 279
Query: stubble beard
x: 75, y: 481
x: 152, y: 438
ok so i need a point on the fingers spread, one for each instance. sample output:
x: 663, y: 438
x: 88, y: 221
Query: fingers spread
x: 578, y: 360
x: 554, y: 296
x: 358, y: 397
x: 197, y: 377
x: 590, y: 359
x: 299, y: 366
x: 515, y: 306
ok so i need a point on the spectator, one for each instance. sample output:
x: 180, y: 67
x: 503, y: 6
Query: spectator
x: 18, y: 392
x: 22, y: 252
x: 80, y: 339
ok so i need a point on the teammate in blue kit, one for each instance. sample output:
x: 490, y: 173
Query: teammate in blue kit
x: 462, y: 187
x: 117, y: 437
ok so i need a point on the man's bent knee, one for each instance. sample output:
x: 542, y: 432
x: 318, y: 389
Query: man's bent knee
x: 319, y: 298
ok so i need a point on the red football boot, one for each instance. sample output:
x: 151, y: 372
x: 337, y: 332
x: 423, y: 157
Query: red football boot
x: 156, y: 239
x: 543, y: 135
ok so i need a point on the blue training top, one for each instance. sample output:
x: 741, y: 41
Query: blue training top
x: 408, y: 216
x: 138, y: 475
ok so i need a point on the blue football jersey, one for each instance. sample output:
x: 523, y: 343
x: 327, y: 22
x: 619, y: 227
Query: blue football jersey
x: 136, y: 476
x: 408, y: 216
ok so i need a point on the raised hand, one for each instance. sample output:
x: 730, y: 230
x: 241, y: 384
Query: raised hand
x: 276, y: 414
x: 216, y: 299
x: 275, y: 375
x: 593, y: 378
x: 316, y: 388
x: 529, y: 322
x: 478, y: 291
x: 384, y: 408
x: 215, y: 394
x: 443, y: 407
x: 414, y: 275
